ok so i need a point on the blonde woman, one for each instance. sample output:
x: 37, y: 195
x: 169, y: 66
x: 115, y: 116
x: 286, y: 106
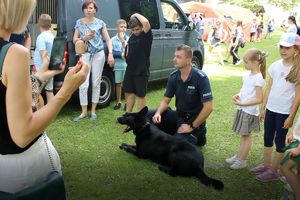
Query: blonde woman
x: 24, y: 159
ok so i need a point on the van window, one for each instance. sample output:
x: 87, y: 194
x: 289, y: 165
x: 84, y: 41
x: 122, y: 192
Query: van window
x: 172, y: 17
x: 147, y: 7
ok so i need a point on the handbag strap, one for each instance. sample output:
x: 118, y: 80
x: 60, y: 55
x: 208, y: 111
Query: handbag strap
x: 84, y: 26
x: 2, y: 56
x: 49, y: 154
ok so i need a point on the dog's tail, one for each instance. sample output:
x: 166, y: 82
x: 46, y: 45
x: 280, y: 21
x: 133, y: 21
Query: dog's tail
x: 218, y: 185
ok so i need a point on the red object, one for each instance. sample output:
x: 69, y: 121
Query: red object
x: 33, y: 69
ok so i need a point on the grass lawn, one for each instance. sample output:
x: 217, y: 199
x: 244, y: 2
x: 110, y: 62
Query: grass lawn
x: 95, y: 168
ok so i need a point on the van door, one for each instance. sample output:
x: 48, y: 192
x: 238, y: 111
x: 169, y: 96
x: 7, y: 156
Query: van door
x: 174, y: 33
x: 149, y: 9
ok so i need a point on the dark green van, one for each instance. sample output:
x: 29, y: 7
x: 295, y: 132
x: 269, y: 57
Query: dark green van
x: 169, y: 23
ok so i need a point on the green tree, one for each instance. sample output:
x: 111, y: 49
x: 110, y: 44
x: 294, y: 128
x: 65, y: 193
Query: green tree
x: 254, y: 5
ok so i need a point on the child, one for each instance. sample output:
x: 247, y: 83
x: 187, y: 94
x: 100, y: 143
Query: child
x: 291, y: 160
x: 248, y: 100
x: 260, y: 29
x: 137, y: 55
x: 216, y: 37
x: 253, y: 30
x: 43, y: 45
x: 119, y: 43
x: 270, y: 30
x: 279, y: 106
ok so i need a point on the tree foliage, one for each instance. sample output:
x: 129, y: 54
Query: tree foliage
x: 255, y: 6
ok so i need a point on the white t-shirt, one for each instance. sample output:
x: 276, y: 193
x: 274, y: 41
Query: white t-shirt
x: 292, y: 28
x: 282, y: 92
x: 253, y: 28
x: 44, y: 42
x: 248, y: 92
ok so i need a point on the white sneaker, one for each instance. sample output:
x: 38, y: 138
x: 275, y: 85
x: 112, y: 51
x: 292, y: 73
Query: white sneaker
x: 238, y: 62
x: 288, y: 188
x: 283, y: 179
x: 231, y: 160
x: 239, y: 164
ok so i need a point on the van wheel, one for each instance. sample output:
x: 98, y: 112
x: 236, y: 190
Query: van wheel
x: 107, y: 91
x: 196, y: 62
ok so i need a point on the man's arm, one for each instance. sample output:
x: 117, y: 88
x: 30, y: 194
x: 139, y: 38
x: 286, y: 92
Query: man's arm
x: 203, y: 115
x: 163, y: 106
x: 144, y: 21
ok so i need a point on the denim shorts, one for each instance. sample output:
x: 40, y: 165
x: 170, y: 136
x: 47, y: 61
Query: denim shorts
x: 119, y: 76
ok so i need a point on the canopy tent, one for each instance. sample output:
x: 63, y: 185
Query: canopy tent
x: 229, y: 14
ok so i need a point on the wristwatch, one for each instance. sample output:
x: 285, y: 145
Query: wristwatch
x: 192, y: 126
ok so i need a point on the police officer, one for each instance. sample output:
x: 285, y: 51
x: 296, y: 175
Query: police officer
x: 193, y: 103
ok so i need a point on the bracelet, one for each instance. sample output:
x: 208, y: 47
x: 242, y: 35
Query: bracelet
x: 40, y: 82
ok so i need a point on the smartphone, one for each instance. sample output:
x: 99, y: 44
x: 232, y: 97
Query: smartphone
x: 57, y: 53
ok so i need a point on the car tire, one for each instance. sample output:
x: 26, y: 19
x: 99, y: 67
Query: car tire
x: 107, y: 91
x: 196, y: 62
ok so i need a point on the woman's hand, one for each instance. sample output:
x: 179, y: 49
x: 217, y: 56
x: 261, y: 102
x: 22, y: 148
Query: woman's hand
x: 44, y: 73
x: 74, y: 78
x: 110, y: 60
x: 89, y: 36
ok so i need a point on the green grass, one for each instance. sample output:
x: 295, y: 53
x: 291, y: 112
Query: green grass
x: 95, y: 168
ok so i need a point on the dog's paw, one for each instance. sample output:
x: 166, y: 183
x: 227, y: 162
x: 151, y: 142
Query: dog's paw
x: 122, y: 146
x: 218, y: 185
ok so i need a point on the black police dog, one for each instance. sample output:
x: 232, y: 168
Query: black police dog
x: 176, y: 157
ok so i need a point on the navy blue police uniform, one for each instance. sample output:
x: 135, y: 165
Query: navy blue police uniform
x: 189, y: 98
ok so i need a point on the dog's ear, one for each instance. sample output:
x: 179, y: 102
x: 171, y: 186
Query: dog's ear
x: 144, y: 111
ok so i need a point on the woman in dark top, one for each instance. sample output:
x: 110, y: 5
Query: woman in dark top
x: 24, y: 158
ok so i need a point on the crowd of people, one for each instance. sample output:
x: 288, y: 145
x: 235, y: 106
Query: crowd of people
x: 236, y: 38
x: 25, y: 148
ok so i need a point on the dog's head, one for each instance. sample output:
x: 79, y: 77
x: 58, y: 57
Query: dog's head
x: 134, y: 120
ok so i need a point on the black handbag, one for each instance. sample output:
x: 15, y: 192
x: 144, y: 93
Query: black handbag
x: 52, y: 188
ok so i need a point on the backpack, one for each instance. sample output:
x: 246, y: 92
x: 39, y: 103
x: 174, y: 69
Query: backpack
x: 298, y: 31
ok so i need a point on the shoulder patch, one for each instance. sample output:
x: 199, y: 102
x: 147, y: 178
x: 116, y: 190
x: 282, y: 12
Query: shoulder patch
x: 200, y: 73
x: 174, y: 72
